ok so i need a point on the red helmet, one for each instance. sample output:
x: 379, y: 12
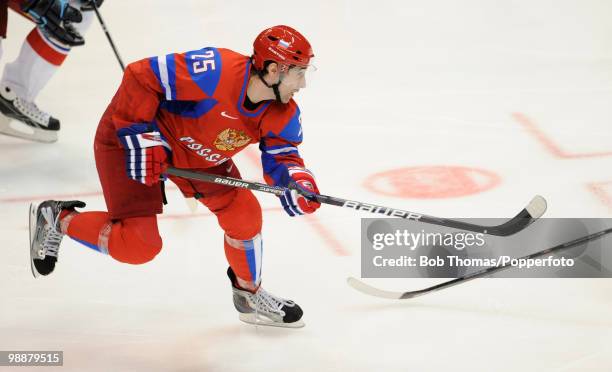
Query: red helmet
x: 281, y: 44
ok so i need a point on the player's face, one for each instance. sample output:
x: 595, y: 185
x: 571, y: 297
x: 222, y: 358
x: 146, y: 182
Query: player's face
x: 293, y: 80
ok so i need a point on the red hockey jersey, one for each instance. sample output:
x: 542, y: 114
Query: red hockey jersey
x: 196, y: 101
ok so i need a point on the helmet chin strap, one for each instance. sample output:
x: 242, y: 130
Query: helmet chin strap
x: 273, y: 86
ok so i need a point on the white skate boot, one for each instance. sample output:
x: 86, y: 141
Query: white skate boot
x: 46, y: 235
x: 24, y: 119
x: 263, y: 308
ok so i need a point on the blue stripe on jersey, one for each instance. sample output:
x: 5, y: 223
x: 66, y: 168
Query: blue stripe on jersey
x: 189, y: 109
x: 155, y: 67
x: 204, y: 66
x: 88, y: 245
x: 171, y: 75
x: 250, y: 256
x: 242, y: 93
x: 293, y: 129
x: 275, y: 170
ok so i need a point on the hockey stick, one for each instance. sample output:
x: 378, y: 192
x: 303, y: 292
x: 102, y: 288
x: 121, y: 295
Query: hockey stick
x: 108, y: 36
x: 372, y: 291
x: 534, y: 210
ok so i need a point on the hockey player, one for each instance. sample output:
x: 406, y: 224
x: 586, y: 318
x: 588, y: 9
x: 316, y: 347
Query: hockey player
x: 194, y: 110
x: 60, y: 25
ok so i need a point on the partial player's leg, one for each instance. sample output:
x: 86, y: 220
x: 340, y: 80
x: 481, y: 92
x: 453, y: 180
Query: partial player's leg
x: 127, y: 232
x: 239, y: 215
x: 23, y: 79
x: 133, y: 240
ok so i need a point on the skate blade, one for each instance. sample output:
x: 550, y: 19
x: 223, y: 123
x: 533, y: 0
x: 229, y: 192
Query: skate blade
x: 32, y: 226
x: 252, y: 318
x: 15, y: 128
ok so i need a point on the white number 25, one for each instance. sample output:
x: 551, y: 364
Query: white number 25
x: 203, y: 61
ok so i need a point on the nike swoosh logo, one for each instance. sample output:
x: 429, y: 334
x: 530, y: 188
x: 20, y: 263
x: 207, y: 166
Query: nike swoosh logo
x: 224, y: 114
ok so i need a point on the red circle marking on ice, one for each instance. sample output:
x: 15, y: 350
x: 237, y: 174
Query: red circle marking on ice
x: 441, y: 181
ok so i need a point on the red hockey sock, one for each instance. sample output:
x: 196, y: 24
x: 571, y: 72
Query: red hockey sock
x: 244, y: 257
x: 48, y: 49
x: 239, y: 215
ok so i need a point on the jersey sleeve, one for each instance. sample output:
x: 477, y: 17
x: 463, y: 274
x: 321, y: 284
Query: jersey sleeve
x: 190, y: 76
x: 279, y: 150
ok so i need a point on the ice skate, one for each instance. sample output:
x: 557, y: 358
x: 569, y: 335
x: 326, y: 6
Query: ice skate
x: 263, y: 308
x: 23, y: 119
x: 46, y: 234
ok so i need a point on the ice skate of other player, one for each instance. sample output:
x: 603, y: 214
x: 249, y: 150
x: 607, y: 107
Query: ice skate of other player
x: 23, y: 119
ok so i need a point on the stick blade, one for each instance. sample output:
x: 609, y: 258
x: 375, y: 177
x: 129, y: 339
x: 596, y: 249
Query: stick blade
x: 537, y: 206
x: 528, y: 215
x: 372, y: 291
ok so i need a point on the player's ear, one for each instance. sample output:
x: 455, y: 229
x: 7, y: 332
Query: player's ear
x: 273, y: 69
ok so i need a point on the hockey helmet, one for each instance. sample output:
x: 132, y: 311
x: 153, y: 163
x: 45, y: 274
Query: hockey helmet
x: 281, y: 44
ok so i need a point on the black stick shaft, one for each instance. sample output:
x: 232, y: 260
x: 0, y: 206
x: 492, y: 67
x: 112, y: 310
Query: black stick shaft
x: 108, y: 36
x: 512, y: 226
x: 227, y: 181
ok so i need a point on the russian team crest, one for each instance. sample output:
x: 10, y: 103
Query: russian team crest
x: 230, y: 139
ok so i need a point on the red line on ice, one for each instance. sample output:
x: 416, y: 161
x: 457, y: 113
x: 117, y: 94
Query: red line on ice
x: 549, y: 144
x: 599, y: 189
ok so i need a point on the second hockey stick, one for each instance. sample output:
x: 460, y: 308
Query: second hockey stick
x: 373, y: 291
x: 534, y: 210
x: 108, y: 36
